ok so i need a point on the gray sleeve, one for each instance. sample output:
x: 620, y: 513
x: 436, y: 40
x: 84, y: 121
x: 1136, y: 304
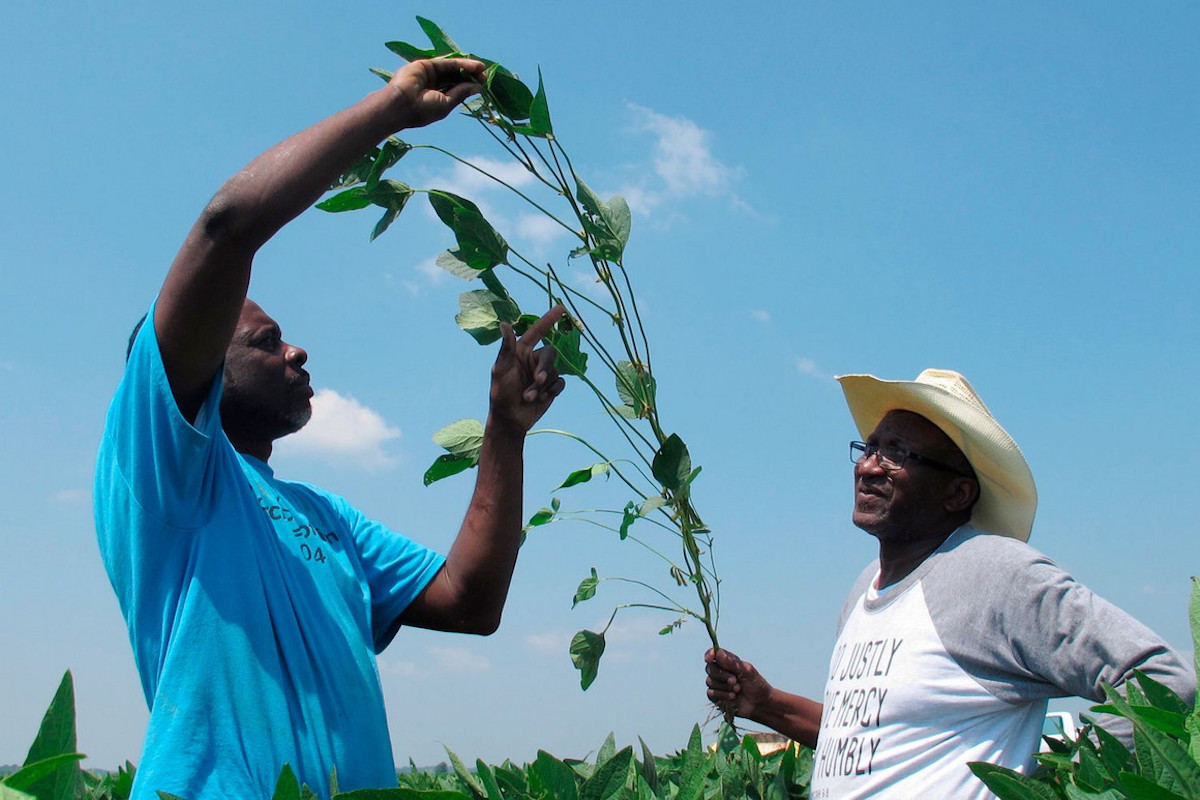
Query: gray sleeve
x: 1026, y: 630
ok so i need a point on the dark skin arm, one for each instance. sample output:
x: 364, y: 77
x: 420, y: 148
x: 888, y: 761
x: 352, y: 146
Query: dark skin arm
x: 734, y: 683
x: 202, y: 296
x: 468, y: 594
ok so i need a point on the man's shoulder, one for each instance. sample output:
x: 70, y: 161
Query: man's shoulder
x: 971, y: 546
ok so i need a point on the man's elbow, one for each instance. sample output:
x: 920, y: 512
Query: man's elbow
x: 229, y: 221
x: 484, y: 623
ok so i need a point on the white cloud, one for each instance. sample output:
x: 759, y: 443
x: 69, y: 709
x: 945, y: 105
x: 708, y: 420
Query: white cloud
x: 551, y: 643
x: 458, y: 659
x: 432, y: 273
x: 345, y: 431
x: 806, y: 366
x: 403, y: 669
x: 760, y: 316
x: 682, y: 157
x: 539, y: 230
x: 466, y: 182
x: 71, y: 497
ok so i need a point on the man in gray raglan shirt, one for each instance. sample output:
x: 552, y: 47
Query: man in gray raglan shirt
x: 951, y: 643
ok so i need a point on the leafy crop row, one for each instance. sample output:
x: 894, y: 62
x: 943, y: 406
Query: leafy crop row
x: 733, y: 769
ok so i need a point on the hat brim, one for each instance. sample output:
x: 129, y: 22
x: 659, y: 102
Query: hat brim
x: 1007, y: 494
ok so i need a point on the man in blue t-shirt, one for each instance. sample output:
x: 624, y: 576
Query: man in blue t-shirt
x: 256, y: 606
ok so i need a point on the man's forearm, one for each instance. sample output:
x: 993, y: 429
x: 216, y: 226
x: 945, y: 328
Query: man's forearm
x: 796, y: 717
x: 481, y: 562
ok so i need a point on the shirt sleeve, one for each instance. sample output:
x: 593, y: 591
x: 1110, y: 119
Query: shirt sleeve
x: 396, y: 569
x: 150, y: 450
x: 1027, y: 630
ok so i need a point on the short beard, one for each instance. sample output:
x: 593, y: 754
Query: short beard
x: 247, y: 420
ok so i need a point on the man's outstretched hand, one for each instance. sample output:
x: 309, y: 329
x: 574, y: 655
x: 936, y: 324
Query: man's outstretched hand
x: 429, y: 89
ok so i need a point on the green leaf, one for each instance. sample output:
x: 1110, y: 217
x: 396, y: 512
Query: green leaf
x: 1091, y: 773
x: 350, y: 200
x: 608, y: 223
x: 31, y: 774
x: 1194, y: 618
x: 481, y: 312
x: 1171, y: 754
x: 584, y: 475
x: 636, y: 388
x: 452, y: 261
x: 443, y: 45
x: 408, y: 52
x: 608, y: 781
x: 586, y: 649
x: 694, y: 772
x: 556, y: 776
x: 1139, y: 787
x: 446, y: 465
x: 567, y: 340
x: 488, y: 778
x: 544, y: 515
x: 288, y: 786
x: 357, y: 172
x: 392, y: 196
x: 1160, y: 696
x: 402, y: 793
x: 649, y: 767
x: 628, y: 517
x: 1113, y: 753
x: 1009, y: 784
x: 462, y: 437
x: 539, y: 112
x: 587, y: 589
x: 633, y: 512
x: 478, y: 242
x: 1193, y: 728
x: 460, y: 769
x: 383, y: 74
x: 56, y: 737
x: 8, y: 793
x: 620, y: 222
x: 511, y: 97
x: 385, y: 158
x: 607, y: 750
x: 1075, y: 793
x: 672, y: 464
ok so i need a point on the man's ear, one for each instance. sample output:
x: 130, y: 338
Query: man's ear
x: 961, y: 494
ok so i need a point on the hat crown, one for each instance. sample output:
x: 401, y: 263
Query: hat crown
x: 955, y: 384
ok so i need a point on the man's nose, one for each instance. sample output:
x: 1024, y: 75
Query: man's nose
x: 296, y: 356
x: 870, y: 465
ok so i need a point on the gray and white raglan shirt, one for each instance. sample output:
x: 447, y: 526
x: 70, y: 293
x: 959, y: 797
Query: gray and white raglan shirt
x: 955, y: 663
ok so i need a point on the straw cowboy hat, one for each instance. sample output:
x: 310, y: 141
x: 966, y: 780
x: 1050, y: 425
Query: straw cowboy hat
x: 1007, y: 495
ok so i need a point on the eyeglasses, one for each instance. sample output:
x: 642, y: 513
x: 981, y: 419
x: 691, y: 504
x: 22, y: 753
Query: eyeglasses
x: 892, y: 458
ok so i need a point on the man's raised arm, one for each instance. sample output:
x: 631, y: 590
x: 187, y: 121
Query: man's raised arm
x: 468, y: 593
x: 202, y: 295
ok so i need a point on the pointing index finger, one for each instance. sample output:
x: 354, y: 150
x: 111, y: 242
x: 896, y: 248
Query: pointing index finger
x: 538, y: 330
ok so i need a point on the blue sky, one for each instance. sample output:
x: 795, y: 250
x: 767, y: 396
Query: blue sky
x: 818, y: 188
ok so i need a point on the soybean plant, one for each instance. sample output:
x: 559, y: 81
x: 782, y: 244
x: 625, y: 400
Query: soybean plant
x: 600, y: 334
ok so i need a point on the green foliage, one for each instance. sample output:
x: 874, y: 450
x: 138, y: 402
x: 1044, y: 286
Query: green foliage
x: 654, y: 466
x: 733, y: 769
x: 1164, y: 764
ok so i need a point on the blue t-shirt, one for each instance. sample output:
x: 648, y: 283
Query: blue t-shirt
x: 255, y: 606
